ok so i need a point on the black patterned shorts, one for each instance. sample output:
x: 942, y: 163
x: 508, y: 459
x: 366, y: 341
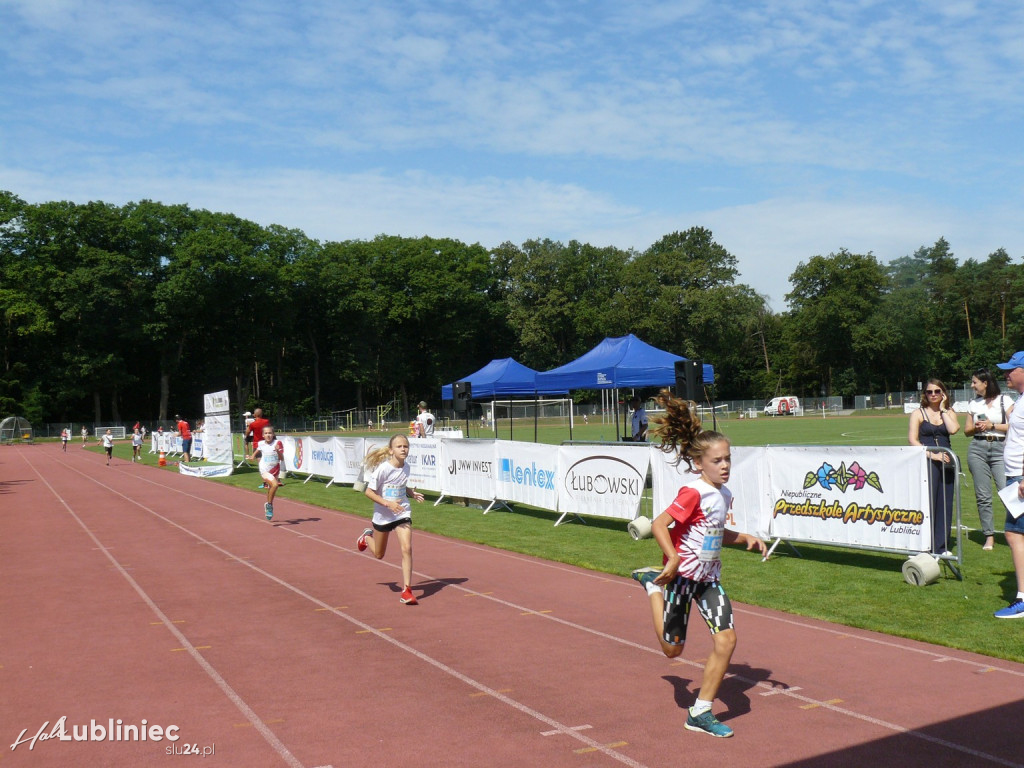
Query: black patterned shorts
x: 712, y: 604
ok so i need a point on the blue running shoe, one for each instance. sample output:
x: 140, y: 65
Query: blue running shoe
x: 269, y: 508
x: 646, y: 575
x: 707, y: 723
x: 1014, y: 610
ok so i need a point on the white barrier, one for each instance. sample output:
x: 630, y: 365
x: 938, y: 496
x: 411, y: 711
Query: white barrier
x: 866, y: 497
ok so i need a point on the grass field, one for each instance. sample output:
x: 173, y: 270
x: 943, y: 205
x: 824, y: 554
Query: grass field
x: 850, y: 587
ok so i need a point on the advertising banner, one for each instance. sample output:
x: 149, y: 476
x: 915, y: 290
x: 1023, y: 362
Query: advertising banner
x: 467, y: 468
x: 349, y: 460
x: 320, y: 456
x: 749, y: 483
x: 527, y: 473
x: 296, y: 451
x: 602, y: 480
x: 216, y: 434
x: 424, y: 460
x: 876, y: 497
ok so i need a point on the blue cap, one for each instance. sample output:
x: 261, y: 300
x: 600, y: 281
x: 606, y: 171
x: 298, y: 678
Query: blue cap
x: 1017, y: 361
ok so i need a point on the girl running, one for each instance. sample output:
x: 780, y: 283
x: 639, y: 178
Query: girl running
x: 691, y: 533
x: 387, y: 486
x: 270, y: 451
x: 136, y: 445
x: 108, y: 444
x: 65, y: 435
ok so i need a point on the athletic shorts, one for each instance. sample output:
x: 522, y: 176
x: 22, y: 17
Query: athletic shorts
x: 389, y: 527
x: 1011, y: 525
x: 271, y: 475
x: 712, y: 604
x: 186, y: 446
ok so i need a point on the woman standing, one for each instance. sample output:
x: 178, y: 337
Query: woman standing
x: 931, y: 425
x: 986, y: 424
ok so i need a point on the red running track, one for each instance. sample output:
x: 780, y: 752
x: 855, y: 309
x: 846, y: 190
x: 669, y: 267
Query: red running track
x: 135, y: 594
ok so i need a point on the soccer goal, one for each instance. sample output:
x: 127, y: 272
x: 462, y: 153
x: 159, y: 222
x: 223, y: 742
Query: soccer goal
x: 119, y: 433
x: 550, y: 412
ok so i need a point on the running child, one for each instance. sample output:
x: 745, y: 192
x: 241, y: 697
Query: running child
x: 271, y: 455
x: 691, y: 533
x: 108, y: 444
x: 65, y: 435
x: 136, y: 445
x: 387, y: 486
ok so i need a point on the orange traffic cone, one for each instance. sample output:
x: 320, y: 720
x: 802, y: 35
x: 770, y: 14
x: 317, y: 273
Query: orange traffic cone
x: 162, y: 461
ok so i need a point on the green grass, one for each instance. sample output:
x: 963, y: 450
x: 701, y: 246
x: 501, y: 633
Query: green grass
x: 856, y: 588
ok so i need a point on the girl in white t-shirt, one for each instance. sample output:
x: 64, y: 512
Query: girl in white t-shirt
x: 987, y: 415
x: 270, y: 451
x: 387, y: 486
x: 691, y: 533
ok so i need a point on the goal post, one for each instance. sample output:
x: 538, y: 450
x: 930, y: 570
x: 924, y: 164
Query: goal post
x: 119, y: 433
x: 550, y: 411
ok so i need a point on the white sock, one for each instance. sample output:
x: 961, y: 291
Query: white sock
x: 700, y: 707
x: 1020, y: 595
x: 651, y: 587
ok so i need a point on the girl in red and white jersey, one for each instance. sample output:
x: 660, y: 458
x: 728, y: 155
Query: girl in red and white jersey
x: 691, y: 533
x: 271, y: 454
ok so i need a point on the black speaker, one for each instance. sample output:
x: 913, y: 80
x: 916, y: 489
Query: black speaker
x: 690, y: 379
x: 462, y: 393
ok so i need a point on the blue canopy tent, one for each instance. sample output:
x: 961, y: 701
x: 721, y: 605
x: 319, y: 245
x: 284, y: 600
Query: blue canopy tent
x: 618, y: 363
x: 504, y: 377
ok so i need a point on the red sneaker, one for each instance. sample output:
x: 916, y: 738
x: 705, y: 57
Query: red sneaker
x: 361, y: 541
x: 407, y: 597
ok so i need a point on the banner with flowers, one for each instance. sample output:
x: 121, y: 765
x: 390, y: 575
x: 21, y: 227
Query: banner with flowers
x: 847, y: 496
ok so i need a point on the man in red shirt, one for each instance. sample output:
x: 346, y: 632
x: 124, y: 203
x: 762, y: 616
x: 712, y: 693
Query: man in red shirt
x: 186, y: 439
x: 256, y: 426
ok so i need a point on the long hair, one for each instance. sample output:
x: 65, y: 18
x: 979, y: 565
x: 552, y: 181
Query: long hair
x: 680, y: 429
x: 984, y: 375
x: 377, y: 456
x: 936, y: 383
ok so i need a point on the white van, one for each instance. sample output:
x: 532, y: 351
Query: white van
x: 782, y: 406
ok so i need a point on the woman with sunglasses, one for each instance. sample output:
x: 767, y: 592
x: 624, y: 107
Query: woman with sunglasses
x: 986, y: 426
x: 931, y: 425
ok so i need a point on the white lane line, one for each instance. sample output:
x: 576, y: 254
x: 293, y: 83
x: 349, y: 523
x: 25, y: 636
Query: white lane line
x: 552, y: 723
x: 276, y: 744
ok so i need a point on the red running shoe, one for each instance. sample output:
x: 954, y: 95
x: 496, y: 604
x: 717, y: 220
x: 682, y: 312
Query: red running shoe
x: 407, y: 597
x: 361, y: 541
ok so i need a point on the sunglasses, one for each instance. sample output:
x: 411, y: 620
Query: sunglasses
x: 933, y: 391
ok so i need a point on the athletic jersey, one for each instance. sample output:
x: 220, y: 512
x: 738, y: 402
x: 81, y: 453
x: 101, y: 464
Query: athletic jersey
x: 699, y: 512
x: 426, y: 422
x: 137, y: 439
x: 270, y: 456
x: 389, y: 482
x: 108, y: 441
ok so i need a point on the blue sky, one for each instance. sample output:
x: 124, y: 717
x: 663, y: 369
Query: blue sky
x: 789, y: 128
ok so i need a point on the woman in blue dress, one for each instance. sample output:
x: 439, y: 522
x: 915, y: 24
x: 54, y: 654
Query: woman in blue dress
x: 931, y: 425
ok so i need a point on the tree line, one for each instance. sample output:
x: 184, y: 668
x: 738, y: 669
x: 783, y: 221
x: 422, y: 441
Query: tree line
x: 123, y: 312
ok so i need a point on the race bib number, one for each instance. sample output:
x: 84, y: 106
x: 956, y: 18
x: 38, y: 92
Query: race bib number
x: 393, y: 492
x: 712, y: 547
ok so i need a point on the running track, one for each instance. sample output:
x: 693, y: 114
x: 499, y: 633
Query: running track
x: 131, y: 593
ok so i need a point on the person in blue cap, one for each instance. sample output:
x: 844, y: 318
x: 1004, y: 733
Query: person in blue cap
x: 1013, y: 460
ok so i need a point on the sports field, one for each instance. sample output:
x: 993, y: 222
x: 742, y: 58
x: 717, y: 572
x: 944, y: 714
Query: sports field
x: 860, y: 589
